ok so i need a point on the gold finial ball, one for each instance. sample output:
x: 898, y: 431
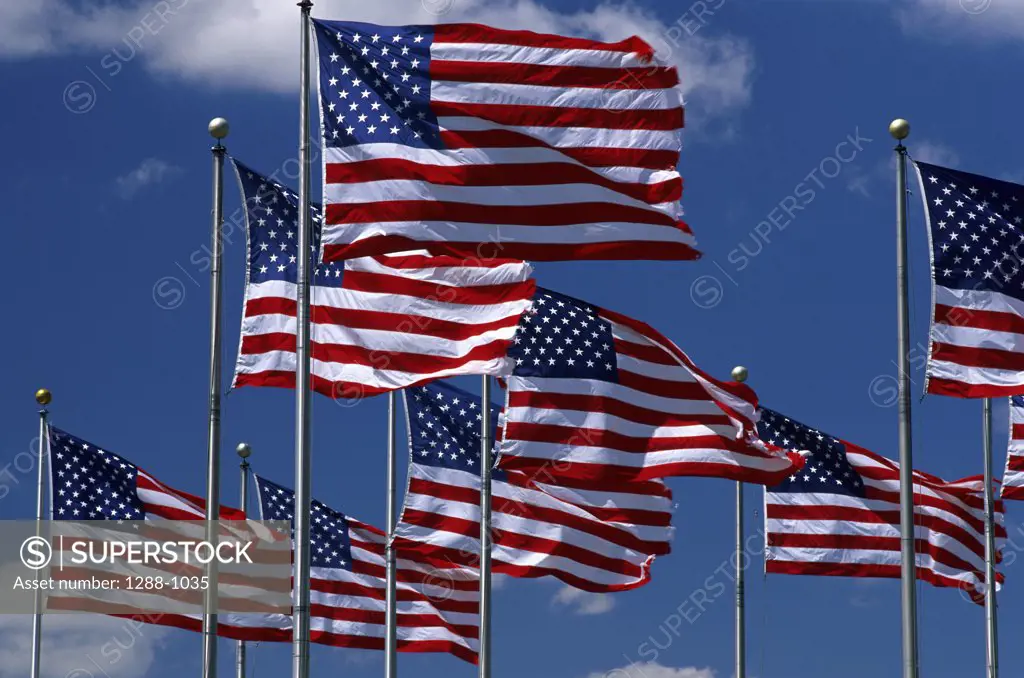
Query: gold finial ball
x: 43, y: 397
x: 899, y: 129
x: 218, y: 128
x: 739, y: 373
x: 243, y: 450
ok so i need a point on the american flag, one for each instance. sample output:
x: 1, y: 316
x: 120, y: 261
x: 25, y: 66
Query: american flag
x: 464, y: 139
x: 976, y: 226
x: 1013, y: 478
x: 596, y: 396
x: 438, y: 609
x: 596, y: 539
x: 90, y: 483
x: 379, y: 323
x: 840, y: 515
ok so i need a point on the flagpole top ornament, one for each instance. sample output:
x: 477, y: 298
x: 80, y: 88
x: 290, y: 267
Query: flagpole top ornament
x: 739, y: 373
x: 899, y: 129
x: 218, y: 128
x: 243, y: 450
x: 43, y: 396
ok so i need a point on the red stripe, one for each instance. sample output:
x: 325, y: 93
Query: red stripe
x: 413, y: 363
x: 504, y: 174
x: 463, y: 33
x: 520, y: 509
x: 334, y: 390
x: 1018, y: 431
x: 354, y: 589
x: 973, y: 356
x: 512, y: 540
x: 925, y: 500
x: 648, y: 353
x: 595, y: 403
x: 960, y: 316
x: 445, y: 555
x: 644, y: 158
x: 567, y: 214
x: 1013, y: 492
x: 861, y: 570
x: 864, y: 516
x: 582, y: 472
x: 378, y: 320
x: 960, y: 389
x: 608, y: 514
x: 869, y: 543
x: 421, y: 261
x: 651, y: 488
x: 665, y: 388
x: 477, y: 295
x: 626, y: 250
x: 523, y: 115
x: 1015, y: 462
x: 376, y: 617
x: 595, y: 437
x: 509, y: 72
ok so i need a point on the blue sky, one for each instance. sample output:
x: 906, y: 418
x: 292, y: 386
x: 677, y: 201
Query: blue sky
x: 106, y: 192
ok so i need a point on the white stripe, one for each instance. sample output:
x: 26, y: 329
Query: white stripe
x: 489, y: 196
x: 380, y: 341
x: 572, y: 137
x: 609, y: 98
x: 487, y: 156
x: 635, y: 460
x: 449, y: 231
x: 981, y: 300
x: 547, y: 56
x: 583, y: 419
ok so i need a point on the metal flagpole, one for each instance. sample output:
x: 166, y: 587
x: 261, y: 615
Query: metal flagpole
x: 391, y: 605
x: 991, y: 637
x: 485, y: 531
x: 300, y: 623
x: 218, y: 128
x: 43, y: 397
x: 739, y: 373
x: 243, y: 450
x: 900, y: 129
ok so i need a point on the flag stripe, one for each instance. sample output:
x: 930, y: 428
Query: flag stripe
x: 594, y: 116
x: 377, y: 324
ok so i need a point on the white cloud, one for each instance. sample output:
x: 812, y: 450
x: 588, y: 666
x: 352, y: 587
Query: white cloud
x: 253, y: 44
x: 883, y: 174
x: 583, y: 602
x: 149, y: 172
x: 933, y: 153
x: 951, y: 20
x: 80, y: 645
x: 655, y: 670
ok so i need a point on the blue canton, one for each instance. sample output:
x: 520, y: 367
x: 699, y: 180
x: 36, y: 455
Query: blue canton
x: 1017, y: 401
x: 977, y: 229
x: 562, y: 337
x: 331, y: 545
x: 444, y: 427
x: 826, y: 469
x: 375, y: 84
x: 90, y: 483
x: 272, y: 213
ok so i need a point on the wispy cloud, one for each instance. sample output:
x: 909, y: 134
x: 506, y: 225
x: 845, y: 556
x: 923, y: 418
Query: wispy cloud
x: 214, y: 43
x: 149, y: 172
x: 869, y: 182
x: 952, y: 20
x: 583, y: 602
x: 655, y: 670
x: 80, y: 645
